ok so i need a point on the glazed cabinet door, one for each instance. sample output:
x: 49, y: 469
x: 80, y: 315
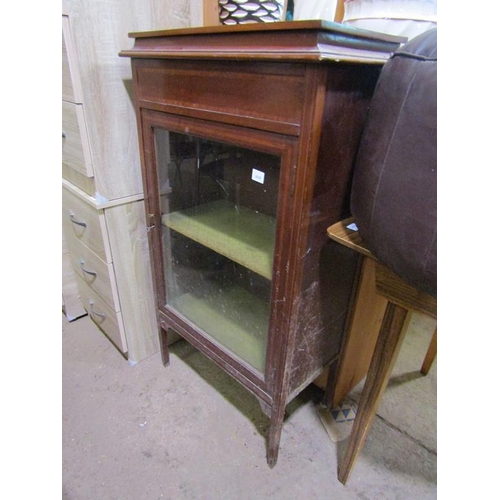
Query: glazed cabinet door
x: 215, y: 192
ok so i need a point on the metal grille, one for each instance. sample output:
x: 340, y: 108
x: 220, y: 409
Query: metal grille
x: 250, y: 11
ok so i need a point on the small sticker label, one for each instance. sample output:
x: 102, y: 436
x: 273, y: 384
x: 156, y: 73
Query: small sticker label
x: 258, y: 176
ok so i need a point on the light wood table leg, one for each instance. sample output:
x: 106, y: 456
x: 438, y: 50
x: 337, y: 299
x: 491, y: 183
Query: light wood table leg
x: 387, y: 348
x: 431, y: 355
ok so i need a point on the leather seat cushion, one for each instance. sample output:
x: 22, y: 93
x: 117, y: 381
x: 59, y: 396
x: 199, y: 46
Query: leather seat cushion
x: 394, y: 194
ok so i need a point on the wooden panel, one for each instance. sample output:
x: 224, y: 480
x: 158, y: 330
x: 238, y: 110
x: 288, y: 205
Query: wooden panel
x: 362, y: 334
x: 75, y: 144
x: 128, y: 240
x: 94, y: 271
x: 92, y: 232
x: 81, y: 181
x: 106, y: 318
x: 71, y: 84
x: 100, y: 30
x: 227, y: 89
x: 175, y: 13
x: 297, y: 41
x: 211, y: 13
x: 401, y: 293
x: 345, y: 235
x: 339, y: 12
x: 67, y: 86
x: 328, y: 269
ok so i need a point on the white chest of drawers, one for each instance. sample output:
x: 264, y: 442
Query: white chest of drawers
x: 104, y: 223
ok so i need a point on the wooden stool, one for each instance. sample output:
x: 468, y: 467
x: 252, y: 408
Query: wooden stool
x: 401, y: 298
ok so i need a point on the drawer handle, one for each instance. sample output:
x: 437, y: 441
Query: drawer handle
x: 101, y: 315
x: 77, y: 222
x: 64, y: 135
x: 92, y: 273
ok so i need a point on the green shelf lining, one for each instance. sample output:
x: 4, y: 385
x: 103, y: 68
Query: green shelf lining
x: 238, y: 233
x: 232, y: 316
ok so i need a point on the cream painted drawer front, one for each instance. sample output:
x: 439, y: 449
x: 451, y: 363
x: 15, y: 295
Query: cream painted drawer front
x: 82, y: 222
x: 94, y: 271
x: 75, y: 143
x: 108, y: 320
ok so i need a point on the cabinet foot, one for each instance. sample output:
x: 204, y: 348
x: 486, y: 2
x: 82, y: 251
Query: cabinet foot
x: 165, y: 354
x: 330, y: 385
x: 274, y: 436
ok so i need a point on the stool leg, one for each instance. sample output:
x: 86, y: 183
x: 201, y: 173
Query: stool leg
x: 431, y: 355
x: 389, y: 342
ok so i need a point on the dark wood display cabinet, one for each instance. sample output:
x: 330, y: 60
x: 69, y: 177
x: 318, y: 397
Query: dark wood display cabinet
x: 248, y: 137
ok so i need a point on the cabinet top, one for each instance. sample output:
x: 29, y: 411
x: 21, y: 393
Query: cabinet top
x: 304, y: 41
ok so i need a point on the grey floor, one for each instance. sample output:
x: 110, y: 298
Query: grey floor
x: 189, y: 431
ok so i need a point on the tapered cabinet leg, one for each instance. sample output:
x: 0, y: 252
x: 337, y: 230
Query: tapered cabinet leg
x: 274, y: 435
x: 386, y: 351
x: 431, y: 355
x: 165, y: 354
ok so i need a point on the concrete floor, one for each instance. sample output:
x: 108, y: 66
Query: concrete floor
x: 189, y: 431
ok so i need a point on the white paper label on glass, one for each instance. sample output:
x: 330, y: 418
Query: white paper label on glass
x: 258, y: 176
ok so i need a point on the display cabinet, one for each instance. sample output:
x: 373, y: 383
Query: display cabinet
x: 248, y: 136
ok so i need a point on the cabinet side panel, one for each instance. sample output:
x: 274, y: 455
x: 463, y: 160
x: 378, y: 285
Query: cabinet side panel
x: 129, y: 248
x: 328, y: 269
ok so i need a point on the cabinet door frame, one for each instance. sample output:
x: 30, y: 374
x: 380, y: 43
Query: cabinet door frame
x: 286, y: 147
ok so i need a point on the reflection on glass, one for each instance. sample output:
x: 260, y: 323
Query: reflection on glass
x: 218, y: 206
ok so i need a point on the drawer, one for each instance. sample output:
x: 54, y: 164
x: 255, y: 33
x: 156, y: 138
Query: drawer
x: 75, y: 144
x: 71, y: 86
x: 96, y: 273
x: 106, y: 318
x: 82, y: 182
x: 227, y: 91
x: 84, y: 223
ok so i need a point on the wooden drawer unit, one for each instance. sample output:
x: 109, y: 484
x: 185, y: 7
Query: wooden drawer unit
x: 96, y: 273
x: 108, y: 320
x: 104, y: 221
x: 82, y: 222
x: 75, y: 144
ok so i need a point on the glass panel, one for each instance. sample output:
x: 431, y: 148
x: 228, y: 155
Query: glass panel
x: 218, y: 205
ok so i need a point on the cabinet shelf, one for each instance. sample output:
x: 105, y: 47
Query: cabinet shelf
x: 233, y: 316
x: 238, y: 233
